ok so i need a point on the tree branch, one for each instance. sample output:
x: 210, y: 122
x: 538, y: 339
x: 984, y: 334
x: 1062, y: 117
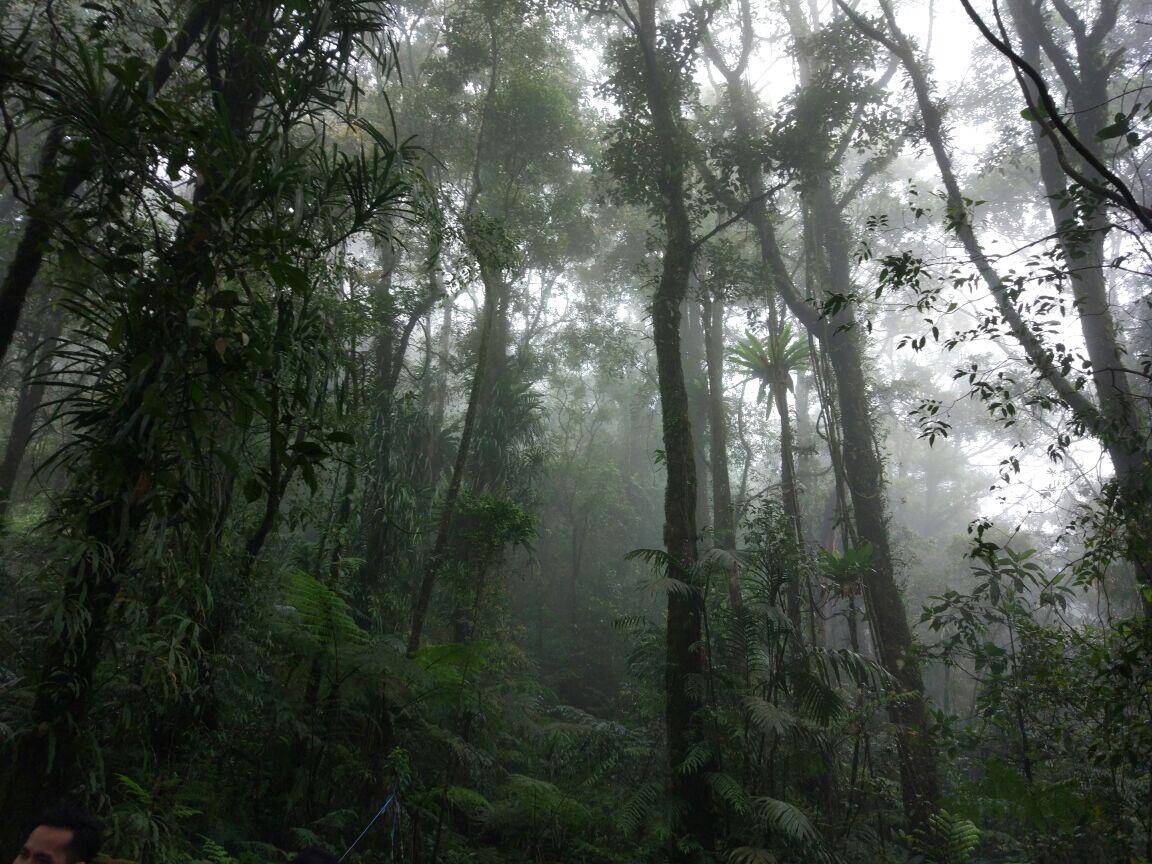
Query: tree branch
x: 1120, y: 194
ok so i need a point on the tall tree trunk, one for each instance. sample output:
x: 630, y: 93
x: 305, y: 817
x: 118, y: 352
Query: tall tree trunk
x: 443, y: 352
x: 488, y: 463
x: 864, y: 472
x: 790, y: 498
x: 684, y: 659
x: 724, y: 529
x: 696, y: 380
x: 723, y: 516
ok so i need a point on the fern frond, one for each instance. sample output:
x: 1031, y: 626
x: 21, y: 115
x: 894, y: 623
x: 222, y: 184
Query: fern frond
x: 786, y: 820
x: 322, y: 612
x: 728, y: 789
x: 947, y: 839
x: 768, y: 718
x: 632, y: 814
x: 816, y: 697
x: 695, y: 759
x: 844, y: 664
x: 657, y: 559
x: 750, y: 855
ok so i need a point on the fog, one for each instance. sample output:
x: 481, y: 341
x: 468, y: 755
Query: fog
x: 578, y: 432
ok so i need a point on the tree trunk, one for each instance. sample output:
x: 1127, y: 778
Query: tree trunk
x: 790, y: 498
x: 423, y: 595
x: 443, y: 351
x: 439, y: 396
x: 723, y: 517
x: 32, y: 389
x: 865, y: 477
x: 684, y: 659
x: 1082, y: 242
x: 862, y: 465
x: 488, y: 463
x: 724, y: 530
x: 696, y: 380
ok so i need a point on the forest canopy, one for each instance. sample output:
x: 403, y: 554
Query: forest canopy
x: 578, y: 431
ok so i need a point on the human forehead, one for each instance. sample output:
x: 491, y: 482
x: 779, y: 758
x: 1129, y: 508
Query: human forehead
x: 48, y: 844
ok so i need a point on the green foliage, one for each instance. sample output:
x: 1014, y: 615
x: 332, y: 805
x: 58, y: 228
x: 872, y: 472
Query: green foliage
x: 771, y: 364
x: 322, y: 614
x: 840, y: 106
x: 150, y: 823
x: 948, y: 839
x: 787, y: 821
x: 750, y: 855
x: 496, y: 523
x: 1050, y: 759
x: 530, y: 808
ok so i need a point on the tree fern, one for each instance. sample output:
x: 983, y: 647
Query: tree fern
x: 467, y: 800
x: 322, y: 613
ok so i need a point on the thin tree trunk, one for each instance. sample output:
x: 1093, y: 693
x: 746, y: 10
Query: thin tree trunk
x: 724, y: 530
x: 32, y: 389
x: 56, y: 184
x: 723, y: 517
x: 696, y: 381
x: 423, y: 596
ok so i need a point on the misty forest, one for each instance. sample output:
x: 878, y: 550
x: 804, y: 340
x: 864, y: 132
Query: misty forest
x: 580, y: 431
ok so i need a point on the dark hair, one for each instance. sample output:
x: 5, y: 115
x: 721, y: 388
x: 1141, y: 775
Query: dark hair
x: 315, y: 855
x: 87, y: 836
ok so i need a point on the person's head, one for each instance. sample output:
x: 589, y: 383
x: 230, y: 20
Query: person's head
x: 315, y: 855
x: 62, y: 835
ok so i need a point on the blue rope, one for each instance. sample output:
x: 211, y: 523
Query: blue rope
x: 383, y: 809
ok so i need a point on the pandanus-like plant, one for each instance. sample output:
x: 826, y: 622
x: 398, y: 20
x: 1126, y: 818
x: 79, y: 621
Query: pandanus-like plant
x: 770, y: 361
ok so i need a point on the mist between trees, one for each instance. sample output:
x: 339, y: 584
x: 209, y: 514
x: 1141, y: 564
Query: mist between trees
x: 598, y: 431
